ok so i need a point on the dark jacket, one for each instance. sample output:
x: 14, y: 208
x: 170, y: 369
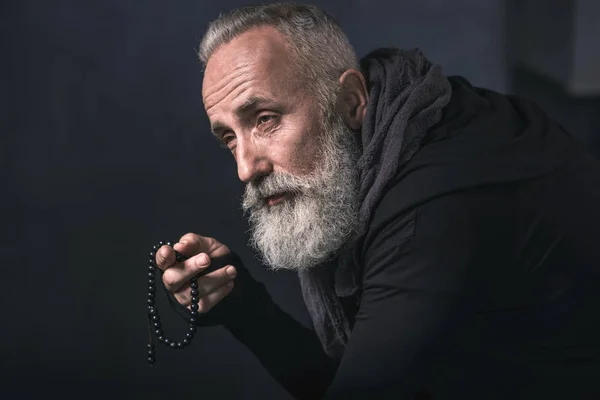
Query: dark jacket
x: 481, y: 274
x: 482, y: 263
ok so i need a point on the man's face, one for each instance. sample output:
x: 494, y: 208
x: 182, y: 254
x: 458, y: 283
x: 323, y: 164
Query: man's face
x: 299, y: 167
x: 258, y: 107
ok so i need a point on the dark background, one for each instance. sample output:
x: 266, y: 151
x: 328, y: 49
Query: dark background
x: 105, y: 149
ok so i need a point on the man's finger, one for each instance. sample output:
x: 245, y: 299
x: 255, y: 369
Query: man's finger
x: 210, y: 300
x: 165, y: 257
x: 207, y: 284
x: 175, y: 278
x: 210, y: 282
x: 191, y: 243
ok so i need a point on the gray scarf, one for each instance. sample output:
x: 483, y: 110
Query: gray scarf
x: 406, y: 97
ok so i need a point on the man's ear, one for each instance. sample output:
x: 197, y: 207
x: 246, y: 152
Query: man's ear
x: 353, y: 98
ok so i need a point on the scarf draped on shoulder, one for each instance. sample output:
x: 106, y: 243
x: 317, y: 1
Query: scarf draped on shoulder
x: 406, y: 97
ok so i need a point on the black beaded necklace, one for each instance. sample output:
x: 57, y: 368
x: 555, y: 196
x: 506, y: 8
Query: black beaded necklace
x: 154, y: 324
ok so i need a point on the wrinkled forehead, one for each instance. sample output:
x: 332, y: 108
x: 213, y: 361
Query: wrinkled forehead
x: 259, y: 57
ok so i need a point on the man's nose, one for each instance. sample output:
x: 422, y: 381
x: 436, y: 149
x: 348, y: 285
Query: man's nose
x: 251, y: 162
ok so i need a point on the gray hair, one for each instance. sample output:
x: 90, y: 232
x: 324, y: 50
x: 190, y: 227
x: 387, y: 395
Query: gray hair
x: 318, y: 44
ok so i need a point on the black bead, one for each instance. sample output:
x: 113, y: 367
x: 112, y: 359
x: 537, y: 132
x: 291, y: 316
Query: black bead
x: 153, y: 311
x: 179, y: 257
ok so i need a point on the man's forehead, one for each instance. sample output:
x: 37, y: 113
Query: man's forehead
x: 259, y: 51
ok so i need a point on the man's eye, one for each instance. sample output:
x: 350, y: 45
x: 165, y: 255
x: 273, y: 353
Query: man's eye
x: 228, y: 139
x: 264, y: 119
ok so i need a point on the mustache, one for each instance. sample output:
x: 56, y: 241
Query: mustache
x: 257, y: 191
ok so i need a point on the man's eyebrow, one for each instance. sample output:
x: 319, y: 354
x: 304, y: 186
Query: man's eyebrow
x: 250, y: 104
x: 216, y: 128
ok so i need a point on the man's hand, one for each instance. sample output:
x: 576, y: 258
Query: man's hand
x: 212, y: 287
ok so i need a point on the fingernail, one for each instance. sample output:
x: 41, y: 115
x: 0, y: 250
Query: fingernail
x: 231, y: 272
x: 203, y: 258
x: 183, y: 242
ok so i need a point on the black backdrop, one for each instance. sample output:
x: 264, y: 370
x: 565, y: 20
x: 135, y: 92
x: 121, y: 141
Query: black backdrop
x: 105, y: 150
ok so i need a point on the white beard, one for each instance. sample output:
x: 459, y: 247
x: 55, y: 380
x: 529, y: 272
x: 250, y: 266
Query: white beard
x: 310, y: 227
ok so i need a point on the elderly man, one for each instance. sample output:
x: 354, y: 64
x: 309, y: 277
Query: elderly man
x: 446, y: 236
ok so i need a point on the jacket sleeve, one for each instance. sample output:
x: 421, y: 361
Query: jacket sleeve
x: 290, y: 352
x: 426, y: 273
